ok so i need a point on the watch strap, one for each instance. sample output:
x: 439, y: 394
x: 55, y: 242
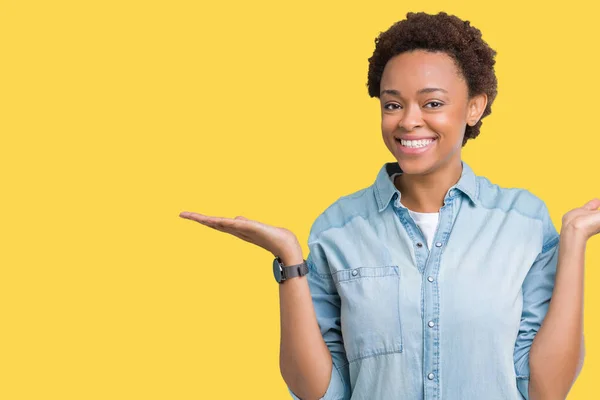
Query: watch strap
x: 294, y: 271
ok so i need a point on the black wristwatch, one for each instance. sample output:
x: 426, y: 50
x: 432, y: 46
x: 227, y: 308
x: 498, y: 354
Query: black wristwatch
x: 283, y: 273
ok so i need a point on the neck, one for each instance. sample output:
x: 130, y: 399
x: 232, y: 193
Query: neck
x: 425, y: 193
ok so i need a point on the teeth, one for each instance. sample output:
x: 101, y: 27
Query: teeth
x: 416, y: 143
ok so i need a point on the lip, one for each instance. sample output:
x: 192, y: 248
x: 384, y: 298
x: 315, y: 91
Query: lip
x: 414, y: 137
x: 415, y: 150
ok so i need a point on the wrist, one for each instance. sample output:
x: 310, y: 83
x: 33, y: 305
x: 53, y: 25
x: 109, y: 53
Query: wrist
x: 572, y: 237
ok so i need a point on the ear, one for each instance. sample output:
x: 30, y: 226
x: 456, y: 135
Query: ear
x: 476, y: 107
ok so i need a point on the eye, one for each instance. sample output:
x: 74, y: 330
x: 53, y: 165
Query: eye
x: 438, y: 104
x: 396, y: 106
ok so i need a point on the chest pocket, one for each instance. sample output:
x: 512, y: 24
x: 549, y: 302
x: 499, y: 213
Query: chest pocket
x: 370, y: 311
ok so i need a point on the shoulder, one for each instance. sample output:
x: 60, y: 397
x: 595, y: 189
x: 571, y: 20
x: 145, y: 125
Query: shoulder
x: 511, y: 199
x: 519, y: 202
x: 359, y: 204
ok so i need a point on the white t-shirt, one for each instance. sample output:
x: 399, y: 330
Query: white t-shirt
x: 427, y: 222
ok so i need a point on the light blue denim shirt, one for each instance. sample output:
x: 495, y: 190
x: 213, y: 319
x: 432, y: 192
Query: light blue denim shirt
x: 454, y: 322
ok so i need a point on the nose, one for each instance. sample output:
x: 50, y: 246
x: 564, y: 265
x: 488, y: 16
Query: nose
x: 411, y: 118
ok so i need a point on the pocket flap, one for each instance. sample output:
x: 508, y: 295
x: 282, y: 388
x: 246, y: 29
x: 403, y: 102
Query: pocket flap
x: 365, y: 272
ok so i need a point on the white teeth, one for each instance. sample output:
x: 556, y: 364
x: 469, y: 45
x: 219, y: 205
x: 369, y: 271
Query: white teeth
x: 415, y: 143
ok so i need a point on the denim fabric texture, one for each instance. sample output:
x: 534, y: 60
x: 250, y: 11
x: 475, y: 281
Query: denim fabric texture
x: 454, y: 322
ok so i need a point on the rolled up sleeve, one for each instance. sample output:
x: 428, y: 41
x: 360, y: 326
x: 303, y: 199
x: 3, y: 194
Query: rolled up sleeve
x: 326, y: 302
x: 537, y: 291
x: 336, y: 389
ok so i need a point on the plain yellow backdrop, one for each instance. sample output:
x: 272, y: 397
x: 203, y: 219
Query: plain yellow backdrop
x: 117, y: 115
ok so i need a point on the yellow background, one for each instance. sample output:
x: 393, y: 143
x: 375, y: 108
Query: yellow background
x: 117, y: 115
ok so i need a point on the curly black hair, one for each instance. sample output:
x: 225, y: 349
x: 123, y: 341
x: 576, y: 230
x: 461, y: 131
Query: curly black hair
x: 439, y: 33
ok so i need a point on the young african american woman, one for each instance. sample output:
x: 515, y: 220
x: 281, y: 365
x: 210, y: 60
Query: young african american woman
x: 433, y: 282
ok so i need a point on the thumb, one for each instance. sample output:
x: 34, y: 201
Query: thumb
x: 592, y: 204
x: 240, y: 217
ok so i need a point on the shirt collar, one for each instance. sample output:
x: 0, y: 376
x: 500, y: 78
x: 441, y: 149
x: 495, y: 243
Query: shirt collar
x: 385, y: 189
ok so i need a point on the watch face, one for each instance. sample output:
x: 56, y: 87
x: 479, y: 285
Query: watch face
x: 277, y: 270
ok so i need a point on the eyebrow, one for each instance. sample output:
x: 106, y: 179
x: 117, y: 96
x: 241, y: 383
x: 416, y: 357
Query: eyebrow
x: 424, y: 90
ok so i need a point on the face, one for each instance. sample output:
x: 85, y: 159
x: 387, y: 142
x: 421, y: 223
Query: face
x: 425, y: 109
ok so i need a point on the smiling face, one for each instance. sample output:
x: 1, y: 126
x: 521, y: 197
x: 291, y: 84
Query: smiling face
x: 424, y: 110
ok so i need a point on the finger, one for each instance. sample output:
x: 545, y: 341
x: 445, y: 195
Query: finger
x: 253, y: 223
x: 204, y: 219
x: 593, y: 220
x: 193, y: 216
x: 223, y: 227
x: 230, y: 225
x: 597, y: 229
x: 243, y: 225
x: 228, y: 222
x: 592, y: 204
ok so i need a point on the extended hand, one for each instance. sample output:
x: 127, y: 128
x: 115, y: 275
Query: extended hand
x: 277, y: 240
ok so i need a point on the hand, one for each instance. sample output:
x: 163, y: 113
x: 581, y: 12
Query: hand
x: 277, y: 240
x: 583, y: 221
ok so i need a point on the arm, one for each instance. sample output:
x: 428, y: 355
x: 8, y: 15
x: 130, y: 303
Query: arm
x: 557, y: 351
x: 302, y: 352
x: 549, y: 356
x: 312, y: 357
x: 549, y: 347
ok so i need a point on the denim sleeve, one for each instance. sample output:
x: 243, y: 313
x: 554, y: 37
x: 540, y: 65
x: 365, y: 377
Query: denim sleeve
x: 326, y: 302
x: 537, y: 291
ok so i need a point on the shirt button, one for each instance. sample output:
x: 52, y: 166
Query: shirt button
x: 430, y: 376
x: 419, y: 244
x: 430, y: 278
x: 355, y: 272
x: 438, y: 244
x: 430, y: 324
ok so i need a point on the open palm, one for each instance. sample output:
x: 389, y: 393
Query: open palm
x: 275, y: 239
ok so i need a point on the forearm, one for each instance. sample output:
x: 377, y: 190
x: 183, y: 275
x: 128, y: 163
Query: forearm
x: 305, y: 361
x: 556, y: 349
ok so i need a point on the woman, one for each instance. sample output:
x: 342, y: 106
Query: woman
x: 432, y: 283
